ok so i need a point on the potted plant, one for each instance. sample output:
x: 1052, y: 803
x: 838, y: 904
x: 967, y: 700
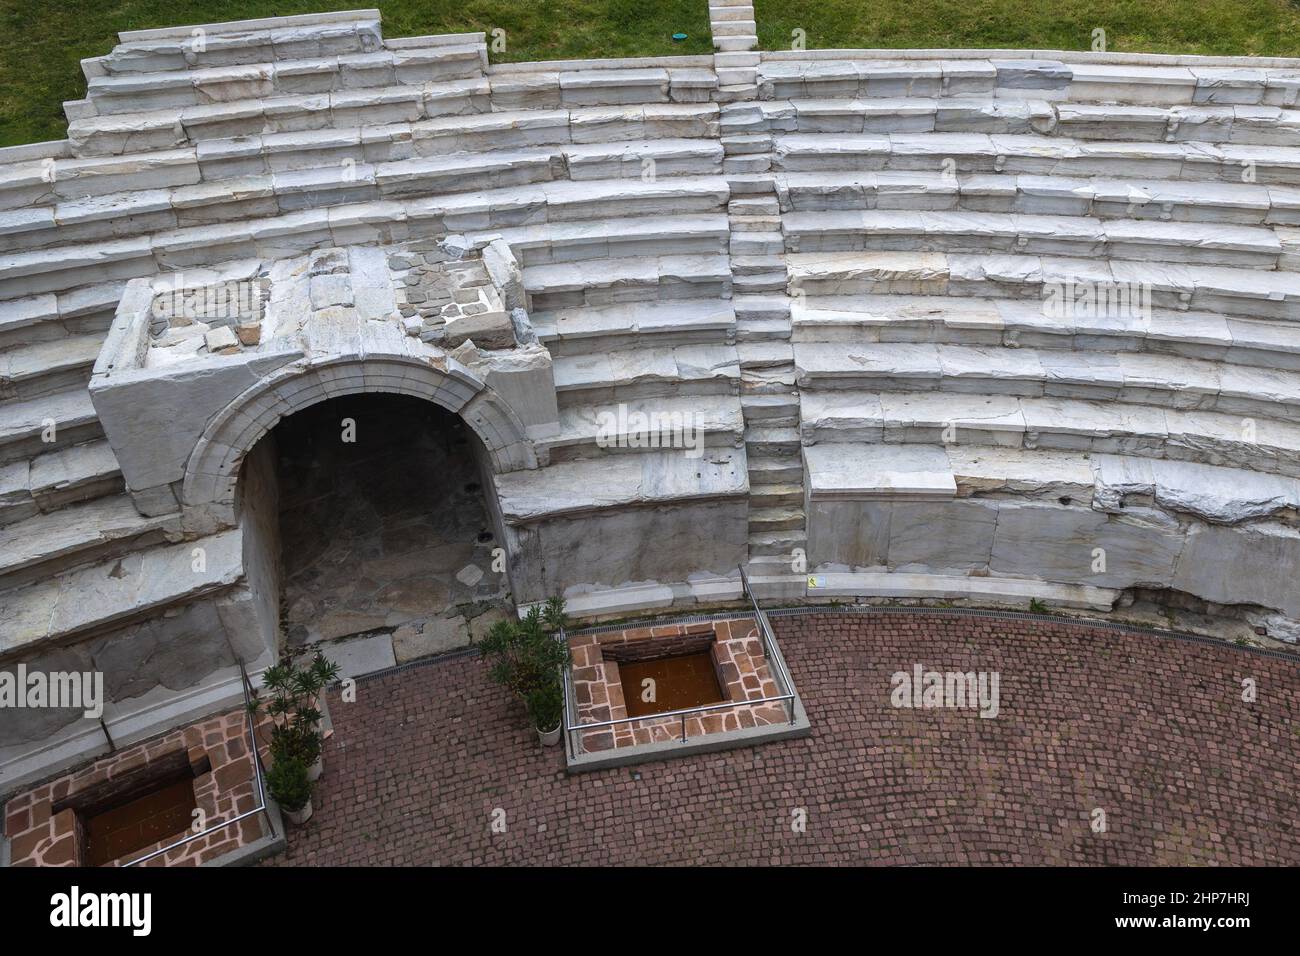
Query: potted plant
x: 288, y: 782
x: 294, y: 711
x: 528, y: 658
x: 546, y: 708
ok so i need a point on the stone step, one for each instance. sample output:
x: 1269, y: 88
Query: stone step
x: 777, y: 543
x: 751, y: 265
x: 1131, y: 377
x: 278, y: 134
x: 765, y: 355
x: 589, y: 329
x: 116, y: 93
x: 33, y: 370
x: 596, y: 239
x: 768, y: 471
x: 690, y: 422
x: 1060, y: 424
x: 1016, y: 593
x: 772, y: 498
x: 761, y: 282
x: 236, y: 43
x: 749, y: 58
x: 750, y: 163
x: 740, y: 10
x: 642, y: 373
x: 134, y: 128
x: 612, y: 482
x: 762, y: 330
x: 774, y: 581
x: 353, y: 191
x: 1018, y: 115
x: 750, y: 184
x: 33, y: 427
x: 769, y: 225
x: 1035, y: 155
x: 1104, y: 483
x: 1248, y: 293
x: 762, y: 306
x: 437, y: 174
x: 1235, y: 203
x: 765, y: 407
x: 769, y: 441
x: 329, y: 160
x: 1124, y: 326
x: 57, y: 478
x: 779, y: 380
x: 1077, y: 82
x: 77, y: 534
x: 610, y: 281
x: 741, y: 145
x: 765, y: 519
x: 564, y: 126
x: 754, y: 206
x: 735, y: 42
x: 1026, y: 114
x: 118, y: 591
x: 1204, y: 123
x: 731, y: 28
x: 732, y: 77
x: 982, y: 233
x: 247, y: 101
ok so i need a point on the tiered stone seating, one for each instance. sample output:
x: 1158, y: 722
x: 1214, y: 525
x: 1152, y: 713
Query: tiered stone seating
x: 930, y: 215
x: 833, y: 265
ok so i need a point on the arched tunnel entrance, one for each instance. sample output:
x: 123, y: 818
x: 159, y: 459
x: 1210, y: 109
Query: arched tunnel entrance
x: 383, y: 526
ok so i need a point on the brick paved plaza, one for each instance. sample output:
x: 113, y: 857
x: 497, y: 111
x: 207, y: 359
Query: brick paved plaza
x: 1152, y: 731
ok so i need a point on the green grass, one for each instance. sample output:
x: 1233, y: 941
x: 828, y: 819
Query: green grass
x: 1219, y: 27
x: 43, y: 41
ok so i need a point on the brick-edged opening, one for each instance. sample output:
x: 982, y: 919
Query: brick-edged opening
x: 46, y: 825
x: 740, y: 664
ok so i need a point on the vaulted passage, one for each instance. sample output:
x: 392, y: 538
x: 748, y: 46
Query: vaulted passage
x: 382, y: 521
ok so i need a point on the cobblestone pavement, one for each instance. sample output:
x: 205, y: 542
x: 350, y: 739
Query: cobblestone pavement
x: 1151, y: 731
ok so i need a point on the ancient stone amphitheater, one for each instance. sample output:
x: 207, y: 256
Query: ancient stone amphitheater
x: 993, y: 327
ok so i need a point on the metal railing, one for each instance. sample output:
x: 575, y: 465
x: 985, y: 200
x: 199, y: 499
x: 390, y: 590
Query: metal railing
x: 245, y: 686
x: 574, y: 731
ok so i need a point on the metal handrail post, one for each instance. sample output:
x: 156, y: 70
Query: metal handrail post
x: 764, y: 632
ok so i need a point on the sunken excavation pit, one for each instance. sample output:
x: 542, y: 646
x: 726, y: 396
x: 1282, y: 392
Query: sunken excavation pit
x: 644, y: 693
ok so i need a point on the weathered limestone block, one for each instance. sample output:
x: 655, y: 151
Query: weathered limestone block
x: 1058, y: 543
x: 1249, y: 565
x: 577, y: 555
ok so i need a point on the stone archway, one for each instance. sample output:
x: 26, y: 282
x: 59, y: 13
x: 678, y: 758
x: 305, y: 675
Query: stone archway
x: 383, y: 528
x: 212, y: 471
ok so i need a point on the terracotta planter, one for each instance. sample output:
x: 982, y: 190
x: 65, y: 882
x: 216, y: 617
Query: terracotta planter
x: 549, y: 738
x: 299, y: 817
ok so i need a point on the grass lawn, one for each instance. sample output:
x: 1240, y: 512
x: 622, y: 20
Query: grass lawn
x: 43, y: 41
x: 1221, y: 27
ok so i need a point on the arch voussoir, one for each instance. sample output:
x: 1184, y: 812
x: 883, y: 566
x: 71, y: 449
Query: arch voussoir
x: 211, y: 473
